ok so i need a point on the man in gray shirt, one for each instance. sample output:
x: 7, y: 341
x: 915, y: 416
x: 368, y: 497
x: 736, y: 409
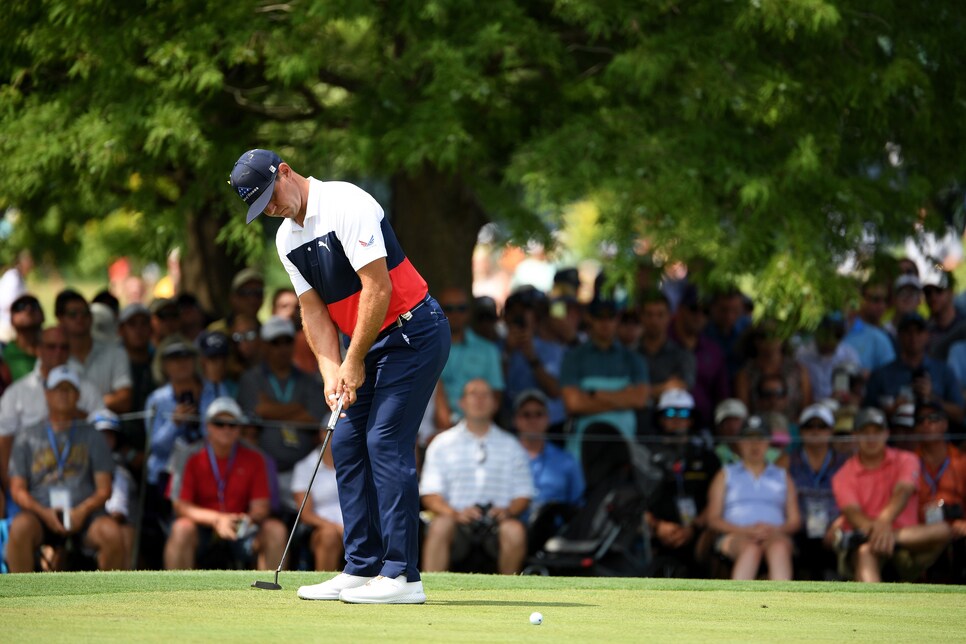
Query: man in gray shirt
x: 60, y: 476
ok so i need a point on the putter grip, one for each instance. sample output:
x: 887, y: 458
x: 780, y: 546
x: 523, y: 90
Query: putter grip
x: 333, y: 419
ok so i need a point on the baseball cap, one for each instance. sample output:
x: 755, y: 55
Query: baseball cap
x: 212, y: 344
x: 730, y: 408
x: 277, y: 327
x: 904, y: 416
x: 253, y: 178
x: 104, y: 420
x: 25, y: 299
x: 599, y: 308
x: 246, y: 275
x: 225, y: 405
x: 131, y: 310
x: 928, y: 405
x: 904, y: 281
x: 676, y: 399
x: 819, y: 411
x: 60, y: 374
x: 526, y: 396
x: 910, y: 319
x: 178, y: 349
x: 939, y: 279
x: 158, y: 304
x: 754, y: 427
x: 869, y: 416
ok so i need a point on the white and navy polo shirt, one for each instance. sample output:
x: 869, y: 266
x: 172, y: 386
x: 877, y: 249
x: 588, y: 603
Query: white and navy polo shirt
x: 344, y: 230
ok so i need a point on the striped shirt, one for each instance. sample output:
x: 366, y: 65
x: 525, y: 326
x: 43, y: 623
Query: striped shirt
x: 467, y: 470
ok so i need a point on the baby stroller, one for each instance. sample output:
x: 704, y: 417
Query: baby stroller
x: 606, y: 537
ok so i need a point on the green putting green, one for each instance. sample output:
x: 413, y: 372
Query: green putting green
x: 221, y: 606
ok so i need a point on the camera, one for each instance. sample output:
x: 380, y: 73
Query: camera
x: 484, y: 525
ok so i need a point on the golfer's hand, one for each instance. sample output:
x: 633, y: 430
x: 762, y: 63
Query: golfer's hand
x: 352, y: 373
x: 226, y: 525
x: 52, y: 521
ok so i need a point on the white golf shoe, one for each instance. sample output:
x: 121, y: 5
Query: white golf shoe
x: 330, y: 589
x: 385, y: 590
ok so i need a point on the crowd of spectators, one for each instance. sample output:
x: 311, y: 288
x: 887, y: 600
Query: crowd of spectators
x: 158, y: 435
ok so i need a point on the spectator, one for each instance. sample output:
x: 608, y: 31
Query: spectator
x: 322, y: 514
x: 907, y: 298
x: 711, y: 381
x: 192, y: 318
x: 172, y: 420
x: 224, y: 498
x: 727, y: 324
x: 476, y: 482
x: 285, y: 304
x: 866, y: 336
x: 470, y: 355
x: 213, y: 347
x: 629, y: 329
x: 165, y: 319
x: 557, y: 477
x: 105, y: 309
x: 134, y: 327
x: 123, y: 502
x: 104, y: 364
x: 12, y: 285
x: 284, y: 399
x: 27, y: 318
x: 531, y: 362
x: 246, y: 298
x: 942, y: 482
x: 946, y: 324
x: 812, y: 469
x: 676, y: 517
x: 669, y: 366
x: 754, y: 505
x: 485, y: 320
x: 825, y: 354
x: 60, y: 476
x: 24, y: 405
x: 602, y: 381
x: 875, y: 491
x: 246, y: 348
x: 913, y: 376
x: 768, y: 357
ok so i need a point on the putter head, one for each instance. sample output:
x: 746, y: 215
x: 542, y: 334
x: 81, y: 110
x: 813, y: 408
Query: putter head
x: 266, y: 585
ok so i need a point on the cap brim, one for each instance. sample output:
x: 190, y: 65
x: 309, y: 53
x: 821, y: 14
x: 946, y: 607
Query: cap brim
x: 258, y: 207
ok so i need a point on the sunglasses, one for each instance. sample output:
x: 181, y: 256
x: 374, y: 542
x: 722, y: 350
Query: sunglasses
x: 676, y: 412
x: 251, y: 292
x: 281, y: 342
x: 24, y: 305
x: 224, y: 424
x: 815, y: 426
x: 456, y: 308
x: 247, y: 336
x: 934, y: 417
x: 532, y: 414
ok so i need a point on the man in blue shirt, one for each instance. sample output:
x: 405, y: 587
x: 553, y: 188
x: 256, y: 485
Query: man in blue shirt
x: 866, y: 336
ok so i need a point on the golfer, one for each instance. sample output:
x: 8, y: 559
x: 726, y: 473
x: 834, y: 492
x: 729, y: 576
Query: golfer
x: 351, y: 276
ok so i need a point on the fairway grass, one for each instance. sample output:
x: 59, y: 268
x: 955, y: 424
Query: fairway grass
x: 220, y: 606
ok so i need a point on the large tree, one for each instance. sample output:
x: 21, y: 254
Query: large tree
x: 754, y: 137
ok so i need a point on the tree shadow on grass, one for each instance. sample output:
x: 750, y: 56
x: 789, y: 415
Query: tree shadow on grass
x: 496, y: 602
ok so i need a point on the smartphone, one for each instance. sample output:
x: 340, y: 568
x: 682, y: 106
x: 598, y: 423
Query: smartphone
x: 841, y: 382
x: 187, y: 398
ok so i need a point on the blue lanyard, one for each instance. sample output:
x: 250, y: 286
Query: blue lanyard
x: 933, y: 483
x: 222, y: 483
x: 289, y: 388
x: 61, y: 457
x: 817, y: 478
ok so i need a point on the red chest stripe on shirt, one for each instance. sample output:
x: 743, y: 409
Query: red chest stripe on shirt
x: 408, y: 289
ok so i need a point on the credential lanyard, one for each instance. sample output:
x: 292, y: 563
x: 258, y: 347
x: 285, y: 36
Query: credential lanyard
x: 286, y: 396
x: 61, y: 456
x: 817, y: 478
x: 933, y: 483
x: 222, y: 483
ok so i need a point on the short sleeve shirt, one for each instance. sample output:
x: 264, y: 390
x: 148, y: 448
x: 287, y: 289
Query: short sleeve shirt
x: 107, y: 367
x: 325, y: 489
x: 871, y: 489
x: 246, y: 480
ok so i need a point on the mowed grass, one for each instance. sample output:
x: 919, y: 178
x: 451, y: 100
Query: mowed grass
x: 220, y: 606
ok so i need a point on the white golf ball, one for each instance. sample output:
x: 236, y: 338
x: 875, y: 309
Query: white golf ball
x: 536, y: 619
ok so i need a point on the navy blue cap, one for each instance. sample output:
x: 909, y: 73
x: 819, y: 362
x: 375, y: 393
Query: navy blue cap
x: 253, y: 177
x: 212, y: 344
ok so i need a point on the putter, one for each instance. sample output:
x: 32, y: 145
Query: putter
x: 333, y: 419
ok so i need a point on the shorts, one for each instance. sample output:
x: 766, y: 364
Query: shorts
x: 78, y: 538
x: 475, y: 537
x: 909, y: 566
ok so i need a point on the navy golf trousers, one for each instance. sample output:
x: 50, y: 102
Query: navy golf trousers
x: 374, y: 447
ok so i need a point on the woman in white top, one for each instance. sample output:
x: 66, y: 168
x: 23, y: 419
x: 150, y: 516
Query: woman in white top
x: 754, y: 506
x: 322, y: 512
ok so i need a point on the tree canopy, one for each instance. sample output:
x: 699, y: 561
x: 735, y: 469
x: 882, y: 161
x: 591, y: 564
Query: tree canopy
x: 772, y: 138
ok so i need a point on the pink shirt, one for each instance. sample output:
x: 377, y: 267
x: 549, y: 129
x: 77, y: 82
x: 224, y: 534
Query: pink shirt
x: 870, y: 490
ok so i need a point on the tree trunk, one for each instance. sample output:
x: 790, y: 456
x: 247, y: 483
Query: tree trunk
x: 206, y: 267
x: 437, y: 218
